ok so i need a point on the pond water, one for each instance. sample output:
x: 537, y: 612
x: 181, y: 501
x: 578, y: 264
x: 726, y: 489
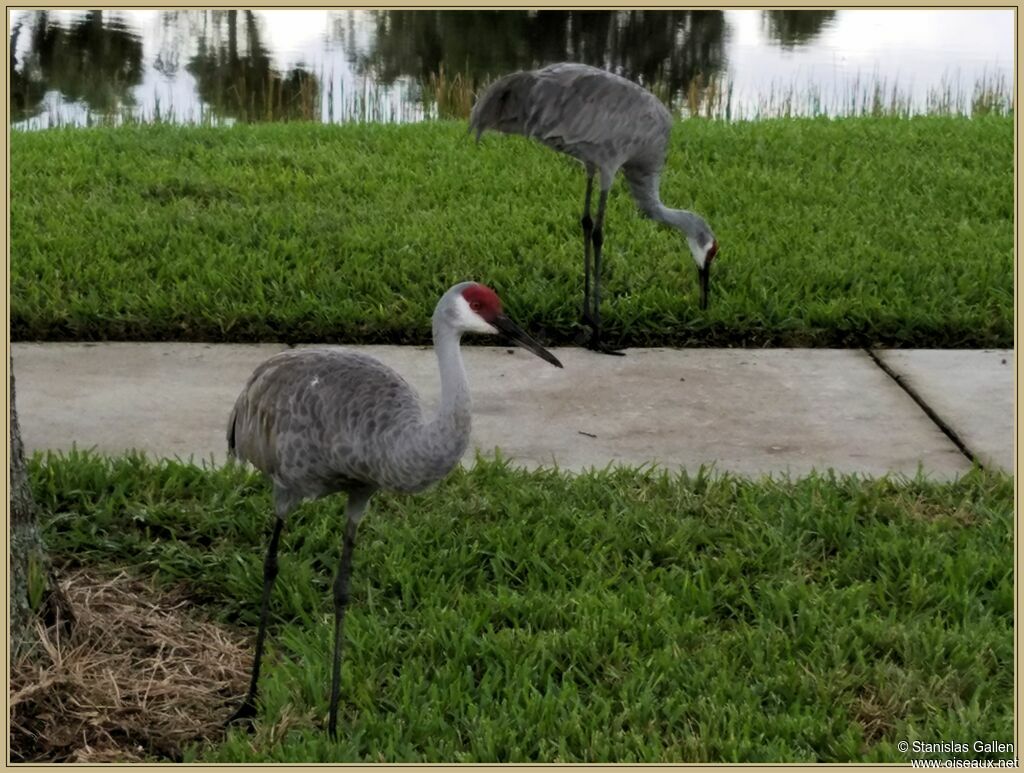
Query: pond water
x: 220, y: 66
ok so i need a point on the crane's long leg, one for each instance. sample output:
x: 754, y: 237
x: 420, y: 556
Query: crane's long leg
x: 588, y: 230
x: 247, y: 710
x: 357, y: 502
x: 598, y: 237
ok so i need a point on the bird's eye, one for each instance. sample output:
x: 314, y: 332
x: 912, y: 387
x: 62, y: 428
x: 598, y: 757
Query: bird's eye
x: 476, y: 305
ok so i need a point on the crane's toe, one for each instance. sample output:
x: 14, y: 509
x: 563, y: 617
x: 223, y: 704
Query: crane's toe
x: 603, y: 348
x: 593, y: 340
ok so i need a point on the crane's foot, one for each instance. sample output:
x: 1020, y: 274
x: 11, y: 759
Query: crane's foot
x: 602, y: 348
x: 243, y: 716
x: 582, y: 337
x: 332, y: 724
x: 593, y: 340
x: 589, y: 336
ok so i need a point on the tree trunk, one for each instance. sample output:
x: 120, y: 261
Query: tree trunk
x: 35, y: 593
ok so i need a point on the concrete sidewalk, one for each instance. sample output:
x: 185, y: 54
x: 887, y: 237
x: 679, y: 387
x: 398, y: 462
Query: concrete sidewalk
x: 748, y: 411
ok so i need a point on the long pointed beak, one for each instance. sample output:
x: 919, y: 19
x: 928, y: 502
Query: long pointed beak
x: 521, y: 337
x: 704, y: 273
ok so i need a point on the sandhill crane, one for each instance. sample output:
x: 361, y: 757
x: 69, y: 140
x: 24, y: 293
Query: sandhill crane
x: 607, y: 123
x: 321, y: 421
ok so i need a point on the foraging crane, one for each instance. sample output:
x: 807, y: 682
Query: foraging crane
x: 321, y: 421
x: 607, y: 123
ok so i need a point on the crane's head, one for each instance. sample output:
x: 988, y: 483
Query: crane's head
x: 470, y: 307
x: 704, y: 248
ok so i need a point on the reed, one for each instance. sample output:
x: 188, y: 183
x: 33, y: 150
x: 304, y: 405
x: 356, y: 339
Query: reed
x: 444, y: 95
x: 448, y: 96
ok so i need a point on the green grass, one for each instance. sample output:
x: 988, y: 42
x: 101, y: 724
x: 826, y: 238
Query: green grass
x: 620, y: 615
x: 833, y: 233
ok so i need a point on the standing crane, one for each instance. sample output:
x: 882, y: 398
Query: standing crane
x: 607, y: 123
x: 321, y: 421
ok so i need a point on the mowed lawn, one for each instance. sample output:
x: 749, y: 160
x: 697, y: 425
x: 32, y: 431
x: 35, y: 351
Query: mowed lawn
x: 616, y: 616
x: 845, y: 232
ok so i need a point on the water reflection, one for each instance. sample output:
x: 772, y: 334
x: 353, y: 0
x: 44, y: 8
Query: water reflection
x: 26, y: 92
x: 668, y: 47
x: 795, y: 28
x: 235, y: 78
x: 96, y: 60
x: 238, y: 65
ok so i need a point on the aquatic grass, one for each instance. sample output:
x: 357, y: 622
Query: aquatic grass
x: 876, y: 96
x: 715, y: 97
x: 619, y: 615
x: 449, y: 96
x: 992, y: 95
x: 834, y: 233
x: 326, y: 98
x: 707, y: 98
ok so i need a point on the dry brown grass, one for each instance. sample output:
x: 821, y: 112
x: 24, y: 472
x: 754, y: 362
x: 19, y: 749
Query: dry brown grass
x: 139, y: 677
x: 927, y: 509
x: 453, y: 95
x: 876, y: 712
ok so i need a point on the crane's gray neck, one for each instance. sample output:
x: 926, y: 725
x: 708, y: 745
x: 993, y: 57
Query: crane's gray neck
x: 644, y: 187
x: 453, y: 415
x: 441, y: 441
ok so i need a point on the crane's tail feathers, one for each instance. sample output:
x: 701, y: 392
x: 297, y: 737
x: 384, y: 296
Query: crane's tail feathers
x: 504, y: 105
x: 232, y: 453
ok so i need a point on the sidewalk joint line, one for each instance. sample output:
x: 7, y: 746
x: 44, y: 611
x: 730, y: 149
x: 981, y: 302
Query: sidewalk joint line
x: 939, y: 422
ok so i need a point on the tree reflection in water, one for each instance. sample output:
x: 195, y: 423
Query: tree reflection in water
x: 237, y: 80
x: 795, y: 28
x: 442, y: 58
x: 96, y: 60
x: 669, y: 47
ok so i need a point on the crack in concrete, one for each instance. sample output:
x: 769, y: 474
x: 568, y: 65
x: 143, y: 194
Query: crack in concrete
x: 939, y: 422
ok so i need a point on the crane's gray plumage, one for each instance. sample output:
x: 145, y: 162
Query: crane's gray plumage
x: 597, y: 117
x: 318, y: 421
x: 321, y: 421
x: 607, y: 123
